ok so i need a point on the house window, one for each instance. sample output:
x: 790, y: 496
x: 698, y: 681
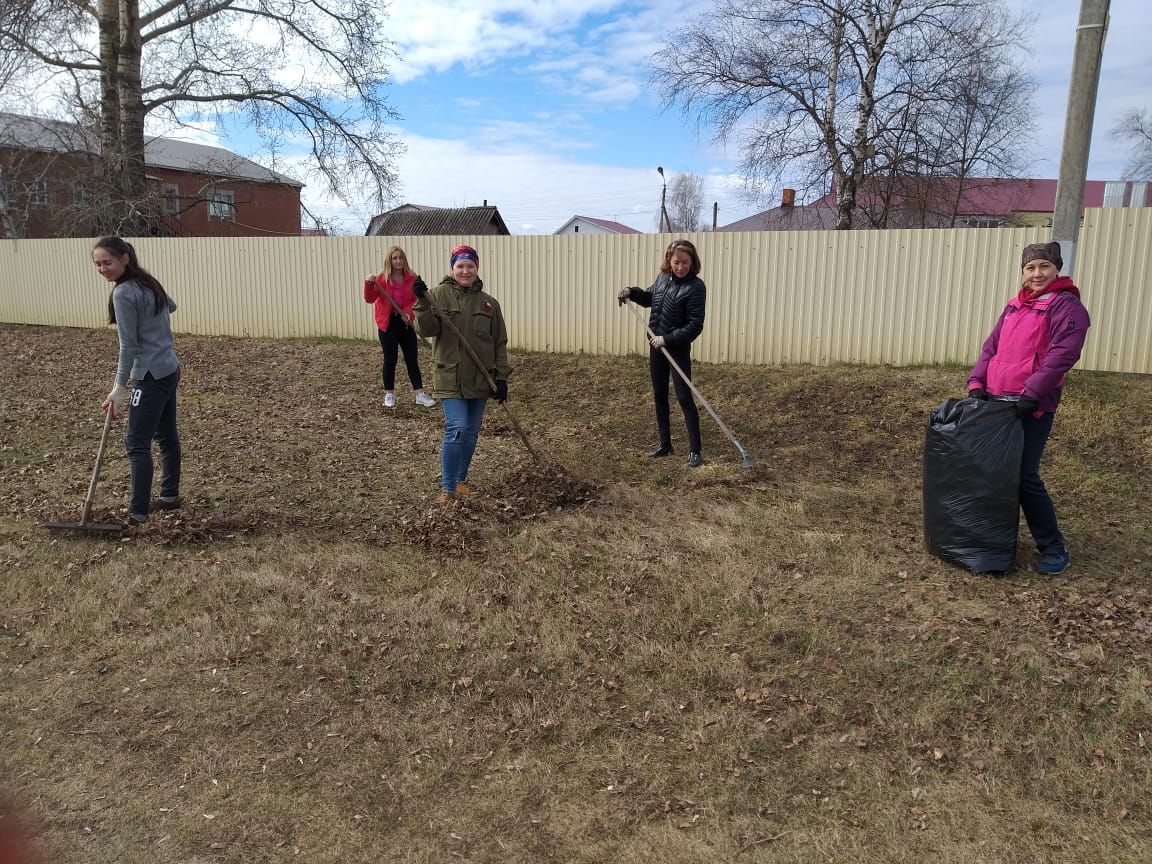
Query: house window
x: 222, y: 204
x: 38, y: 192
x: 81, y: 193
x: 172, y: 199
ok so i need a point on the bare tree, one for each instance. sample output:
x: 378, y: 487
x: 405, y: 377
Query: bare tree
x: 819, y: 89
x: 947, y: 144
x: 11, y: 20
x: 304, y: 70
x: 1135, y: 128
x: 685, y: 202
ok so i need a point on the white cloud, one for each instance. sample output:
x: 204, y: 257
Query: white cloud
x: 1123, y: 79
x: 536, y: 189
x: 550, y: 33
x: 196, y: 131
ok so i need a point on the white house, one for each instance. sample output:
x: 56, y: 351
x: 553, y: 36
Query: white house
x: 588, y: 225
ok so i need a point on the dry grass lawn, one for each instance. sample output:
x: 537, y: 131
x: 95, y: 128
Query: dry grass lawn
x: 623, y: 661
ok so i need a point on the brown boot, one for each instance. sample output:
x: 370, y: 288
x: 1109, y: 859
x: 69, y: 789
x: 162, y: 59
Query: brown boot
x: 445, y: 498
x: 463, y: 490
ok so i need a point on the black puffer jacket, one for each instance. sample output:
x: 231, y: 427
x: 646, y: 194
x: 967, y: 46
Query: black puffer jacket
x: 677, y: 307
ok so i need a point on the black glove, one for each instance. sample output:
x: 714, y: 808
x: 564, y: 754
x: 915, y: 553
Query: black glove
x: 1027, y: 406
x: 500, y: 394
x: 419, y: 288
x: 978, y: 393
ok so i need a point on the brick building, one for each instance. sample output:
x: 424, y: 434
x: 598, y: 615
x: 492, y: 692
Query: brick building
x: 48, y: 168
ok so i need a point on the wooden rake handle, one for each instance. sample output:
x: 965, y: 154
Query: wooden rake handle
x: 400, y: 312
x: 86, y: 513
x: 444, y: 319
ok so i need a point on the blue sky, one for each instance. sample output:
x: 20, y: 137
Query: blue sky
x: 542, y: 107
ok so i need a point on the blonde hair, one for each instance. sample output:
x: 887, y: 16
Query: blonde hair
x: 387, y: 271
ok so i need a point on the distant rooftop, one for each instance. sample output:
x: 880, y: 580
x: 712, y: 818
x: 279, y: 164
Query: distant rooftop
x: 606, y: 224
x: 58, y: 136
x: 1004, y: 196
x: 410, y: 220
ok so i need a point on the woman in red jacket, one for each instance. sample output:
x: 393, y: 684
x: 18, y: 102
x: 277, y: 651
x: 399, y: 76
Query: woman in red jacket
x: 391, y: 292
x: 1036, y: 341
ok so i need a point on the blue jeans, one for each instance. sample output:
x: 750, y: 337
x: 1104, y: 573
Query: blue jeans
x: 462, y: 418
x: 1034, y: 499
x: 153, y: 417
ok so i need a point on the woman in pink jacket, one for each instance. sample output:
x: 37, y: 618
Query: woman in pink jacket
x: 1037, y: 339
x: 391, y: 292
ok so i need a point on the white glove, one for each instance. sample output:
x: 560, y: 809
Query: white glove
x: 116, y: 401
x: 657, y: 341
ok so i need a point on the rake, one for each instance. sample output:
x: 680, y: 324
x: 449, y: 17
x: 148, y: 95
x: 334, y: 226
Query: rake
x: 747, y: 460
x: 480, y: 365
x: 400, y: 312
x: 85, y: 526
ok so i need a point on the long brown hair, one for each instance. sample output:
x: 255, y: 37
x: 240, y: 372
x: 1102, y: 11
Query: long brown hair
x: 688, y: 249
x: 387, y: 271
x: 120, y: 247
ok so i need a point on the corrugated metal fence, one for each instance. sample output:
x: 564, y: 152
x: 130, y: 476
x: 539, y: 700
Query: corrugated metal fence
x: 899, y: 297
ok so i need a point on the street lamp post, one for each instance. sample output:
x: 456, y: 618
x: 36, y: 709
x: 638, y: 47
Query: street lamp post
x: 664, y: 224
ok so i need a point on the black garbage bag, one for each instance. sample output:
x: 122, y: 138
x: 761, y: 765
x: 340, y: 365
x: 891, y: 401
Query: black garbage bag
x: 972, y: 452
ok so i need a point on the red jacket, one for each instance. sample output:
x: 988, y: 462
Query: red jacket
x: 379, y: 288
x: 1036, y: 341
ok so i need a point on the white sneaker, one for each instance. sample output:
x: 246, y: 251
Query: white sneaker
x: 425, y: 400
x: 389, y: 400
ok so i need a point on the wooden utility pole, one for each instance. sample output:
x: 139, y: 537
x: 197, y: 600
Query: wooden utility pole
x: 1090, y: 34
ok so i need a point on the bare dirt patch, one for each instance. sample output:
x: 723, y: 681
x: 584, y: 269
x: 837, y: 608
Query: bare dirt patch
x: 600, y: 658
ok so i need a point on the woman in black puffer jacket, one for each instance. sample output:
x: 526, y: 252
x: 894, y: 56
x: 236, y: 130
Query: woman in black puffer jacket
x: 677, y: 299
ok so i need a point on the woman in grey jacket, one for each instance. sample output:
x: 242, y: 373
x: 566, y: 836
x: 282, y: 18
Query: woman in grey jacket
x: 140, y: 308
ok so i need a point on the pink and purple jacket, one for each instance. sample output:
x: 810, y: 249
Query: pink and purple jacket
x: 377, y: 287
x: 1036, y: 341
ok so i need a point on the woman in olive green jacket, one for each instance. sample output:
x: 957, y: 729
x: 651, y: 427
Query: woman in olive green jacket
x: 459, y: 384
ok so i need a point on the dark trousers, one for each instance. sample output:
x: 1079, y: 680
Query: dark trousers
x: 153, y: 418
x: 660, y: 368
x: 1034, y: 499
x: 400, y: 335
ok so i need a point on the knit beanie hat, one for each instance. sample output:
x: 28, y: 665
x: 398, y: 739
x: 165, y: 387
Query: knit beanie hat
x: 1049, y: 252
x: 464, y: 252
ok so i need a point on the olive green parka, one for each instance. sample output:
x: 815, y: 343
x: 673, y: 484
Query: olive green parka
x: 478, y: 318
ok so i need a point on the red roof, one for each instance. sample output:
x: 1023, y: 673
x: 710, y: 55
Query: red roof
x: 997, y: 196
x: 814, y: 217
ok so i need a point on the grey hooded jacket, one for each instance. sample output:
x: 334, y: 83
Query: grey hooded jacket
x: 145, y: 337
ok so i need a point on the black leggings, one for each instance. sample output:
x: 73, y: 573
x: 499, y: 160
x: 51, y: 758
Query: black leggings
x: 153, y: 418
x: 400, y: 335
x: 661, y: 369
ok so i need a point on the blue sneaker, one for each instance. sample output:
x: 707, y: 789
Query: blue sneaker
x: 1053, y: 563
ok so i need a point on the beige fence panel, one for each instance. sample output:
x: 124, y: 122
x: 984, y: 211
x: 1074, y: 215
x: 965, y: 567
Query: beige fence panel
x: 1114, y: 272
x: 820, y: 297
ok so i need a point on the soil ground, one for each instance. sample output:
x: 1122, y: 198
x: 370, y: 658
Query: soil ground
x: 601, y: 658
